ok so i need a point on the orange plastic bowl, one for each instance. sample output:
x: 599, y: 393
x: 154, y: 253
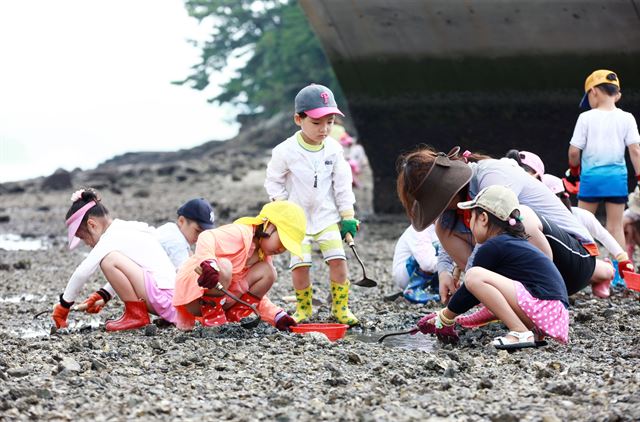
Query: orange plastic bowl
x: 332, y: 331
x: 632, y: 280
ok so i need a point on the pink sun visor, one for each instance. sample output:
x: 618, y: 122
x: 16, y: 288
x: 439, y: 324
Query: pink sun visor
x: 73, y: 223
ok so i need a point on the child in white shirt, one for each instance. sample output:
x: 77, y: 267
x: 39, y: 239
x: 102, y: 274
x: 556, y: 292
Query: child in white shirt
x: 131, y: 259
x: 597, y: 149
x: 310, y: 170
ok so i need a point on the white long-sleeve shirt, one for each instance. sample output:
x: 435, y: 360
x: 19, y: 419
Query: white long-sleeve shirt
x: 598, y: 232
x: 134, y: 240
x: 174, y: 243
x: 420, y: 246
x: 318, y: 181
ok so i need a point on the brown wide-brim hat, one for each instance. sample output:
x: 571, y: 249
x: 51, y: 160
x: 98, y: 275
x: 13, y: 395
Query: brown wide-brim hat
x: 443, y: 181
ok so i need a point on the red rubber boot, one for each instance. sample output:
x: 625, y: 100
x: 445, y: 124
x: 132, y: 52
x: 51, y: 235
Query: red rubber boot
x: 135, y: 316
x: 239, y: 311
x: 212, y: 312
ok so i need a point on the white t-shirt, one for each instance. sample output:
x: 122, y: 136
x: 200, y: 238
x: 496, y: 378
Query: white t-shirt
x: 603, y: 135
x: 136, y: 241
x: 174, y: 243
x: 420, y: 246
x: 598, y: 232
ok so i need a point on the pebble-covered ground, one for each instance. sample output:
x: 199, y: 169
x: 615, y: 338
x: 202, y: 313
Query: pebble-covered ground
x: 229, y: 373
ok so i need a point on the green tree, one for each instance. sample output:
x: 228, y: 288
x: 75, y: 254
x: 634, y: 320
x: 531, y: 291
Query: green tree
x: 281, y: 53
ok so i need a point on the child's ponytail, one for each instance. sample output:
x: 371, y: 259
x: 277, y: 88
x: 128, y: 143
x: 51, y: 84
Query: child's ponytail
x: 513, y: 226
x: 82, y: 197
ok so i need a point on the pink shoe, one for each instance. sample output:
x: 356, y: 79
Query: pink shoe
x: 479, y: 318
x: 601, y: 289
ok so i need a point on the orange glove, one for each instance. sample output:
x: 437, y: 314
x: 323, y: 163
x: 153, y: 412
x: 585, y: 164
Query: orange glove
x: 91, y: 304
x: 60, y: 314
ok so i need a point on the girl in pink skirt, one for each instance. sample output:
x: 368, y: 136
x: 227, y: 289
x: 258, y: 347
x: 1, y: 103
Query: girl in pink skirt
x: 512, y: 278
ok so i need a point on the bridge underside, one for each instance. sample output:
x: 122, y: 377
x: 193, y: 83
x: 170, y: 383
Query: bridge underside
x: 486, y: 75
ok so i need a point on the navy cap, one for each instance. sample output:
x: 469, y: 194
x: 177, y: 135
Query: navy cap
x: 198, y: 210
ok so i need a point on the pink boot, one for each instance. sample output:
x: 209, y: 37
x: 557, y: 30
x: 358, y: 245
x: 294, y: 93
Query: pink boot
x: 479, y: 318
x: 602, y: 289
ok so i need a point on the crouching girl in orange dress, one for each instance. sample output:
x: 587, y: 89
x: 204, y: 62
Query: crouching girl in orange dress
x: 238, y: 256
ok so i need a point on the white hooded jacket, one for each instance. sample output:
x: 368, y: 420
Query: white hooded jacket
x: 318, y: 181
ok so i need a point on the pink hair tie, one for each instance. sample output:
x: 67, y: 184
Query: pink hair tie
x: 466, y: 154
x: 512, y: 221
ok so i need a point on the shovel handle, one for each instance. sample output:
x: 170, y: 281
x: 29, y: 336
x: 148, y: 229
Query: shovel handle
x: 83, y: 306
x: 349, y: 239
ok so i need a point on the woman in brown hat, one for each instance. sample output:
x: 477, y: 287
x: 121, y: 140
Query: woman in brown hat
x: 431, y: 183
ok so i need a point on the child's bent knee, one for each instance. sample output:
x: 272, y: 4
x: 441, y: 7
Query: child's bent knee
x: 473, y: 277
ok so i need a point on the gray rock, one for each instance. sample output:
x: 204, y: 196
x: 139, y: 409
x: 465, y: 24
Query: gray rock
x: 69, y: 365
x: 19, y: 372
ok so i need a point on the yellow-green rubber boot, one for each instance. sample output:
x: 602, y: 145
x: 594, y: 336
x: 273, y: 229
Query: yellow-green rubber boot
x: 340, y: 303
x: 303, y: 304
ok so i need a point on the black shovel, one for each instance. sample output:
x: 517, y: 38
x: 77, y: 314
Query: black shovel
x: 247, y: 322
x: 365, y: 282
x: 399, y: 333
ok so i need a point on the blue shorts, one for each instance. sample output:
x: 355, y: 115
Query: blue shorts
x: 598, y: 199
x: 603, y: 182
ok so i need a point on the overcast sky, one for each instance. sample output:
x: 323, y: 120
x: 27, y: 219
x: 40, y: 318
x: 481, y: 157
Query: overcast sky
x: 83, y: 80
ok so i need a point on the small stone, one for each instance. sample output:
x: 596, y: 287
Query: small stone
x: 98, y: 365
x: 450, y: 372
x: 354, y: 358
x: 18, y: 372
x: 150, y: 330
x: 68, y: 364
x: 485, y: 383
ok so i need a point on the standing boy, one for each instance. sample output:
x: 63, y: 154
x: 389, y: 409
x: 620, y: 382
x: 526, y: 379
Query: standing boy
x: 601, y: 135
x: 309, y: 169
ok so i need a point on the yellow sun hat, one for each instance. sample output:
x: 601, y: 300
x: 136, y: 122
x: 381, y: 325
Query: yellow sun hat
x: 289, y: 220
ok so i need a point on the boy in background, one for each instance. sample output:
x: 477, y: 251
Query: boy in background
x: 194, y: 216
x: 601, y: 135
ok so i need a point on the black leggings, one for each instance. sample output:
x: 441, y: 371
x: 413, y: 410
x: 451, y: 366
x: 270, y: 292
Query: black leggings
x: 573, y: 261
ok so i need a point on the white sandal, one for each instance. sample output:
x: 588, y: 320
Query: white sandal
x: 522, y: 341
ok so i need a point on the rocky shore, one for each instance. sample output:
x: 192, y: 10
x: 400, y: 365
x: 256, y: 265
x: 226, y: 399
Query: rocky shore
x: 228, y: 373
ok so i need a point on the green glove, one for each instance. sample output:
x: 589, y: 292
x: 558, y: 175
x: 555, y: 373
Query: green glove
x: 349, y: 225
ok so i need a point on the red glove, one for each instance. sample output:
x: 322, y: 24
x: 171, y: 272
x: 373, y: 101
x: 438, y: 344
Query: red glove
x: 60, y: 314
x: 284, y: 322
x: 571, y: 180
x: 446, y: 334
x: 91, y: 306
x: 625, y: 266
x: 210, y: 274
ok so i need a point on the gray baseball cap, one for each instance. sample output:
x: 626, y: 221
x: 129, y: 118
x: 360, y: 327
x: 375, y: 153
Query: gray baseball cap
x: 498, y: 200
x: 316, y: 101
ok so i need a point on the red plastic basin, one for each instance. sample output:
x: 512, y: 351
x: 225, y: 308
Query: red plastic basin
x: 332, y: 331
x: 632, y: 280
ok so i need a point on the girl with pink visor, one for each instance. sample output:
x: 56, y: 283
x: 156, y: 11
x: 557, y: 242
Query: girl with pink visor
x: 131, y: 259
